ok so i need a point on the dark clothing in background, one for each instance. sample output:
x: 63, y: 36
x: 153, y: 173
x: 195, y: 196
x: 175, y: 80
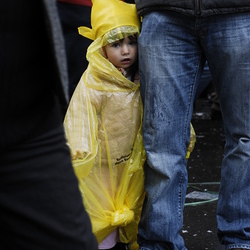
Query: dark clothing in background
x: 73, y: 16
x: 40, y: 203
x: 30, y: 79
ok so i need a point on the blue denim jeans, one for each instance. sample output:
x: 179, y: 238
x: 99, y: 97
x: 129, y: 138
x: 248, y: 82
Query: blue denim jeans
x: 172, y: 51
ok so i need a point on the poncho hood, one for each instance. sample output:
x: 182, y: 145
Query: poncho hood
x: 107, y: 15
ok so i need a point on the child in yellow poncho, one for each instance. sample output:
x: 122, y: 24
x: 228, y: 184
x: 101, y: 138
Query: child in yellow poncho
x: 103, y: 125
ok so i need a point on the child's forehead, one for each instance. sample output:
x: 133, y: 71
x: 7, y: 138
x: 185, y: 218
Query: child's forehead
x: 119, y: 33
x: 127, y: 38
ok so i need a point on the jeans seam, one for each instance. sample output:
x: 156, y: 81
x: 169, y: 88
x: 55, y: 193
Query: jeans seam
x: 180, y: 198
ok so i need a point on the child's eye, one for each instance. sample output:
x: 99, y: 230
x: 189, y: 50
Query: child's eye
x: 132, y: 43
x: 115, y: 45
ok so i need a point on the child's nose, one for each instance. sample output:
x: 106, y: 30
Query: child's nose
x: 125, y: 49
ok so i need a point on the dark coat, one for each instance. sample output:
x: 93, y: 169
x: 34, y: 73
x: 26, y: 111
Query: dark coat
x: 33, y: 75
x: 194, y: 7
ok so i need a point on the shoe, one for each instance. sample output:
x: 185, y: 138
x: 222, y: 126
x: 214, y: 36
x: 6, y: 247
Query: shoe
x: 119, y: 246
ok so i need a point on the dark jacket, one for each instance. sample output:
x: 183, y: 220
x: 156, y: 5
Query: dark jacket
x: 194, y: 7
x: 33, y: 73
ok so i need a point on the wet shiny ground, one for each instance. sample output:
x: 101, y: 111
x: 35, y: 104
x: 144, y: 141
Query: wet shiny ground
x: 204, y: 166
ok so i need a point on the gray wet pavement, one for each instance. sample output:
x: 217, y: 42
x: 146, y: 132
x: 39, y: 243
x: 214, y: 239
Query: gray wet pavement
x: 204, y: 169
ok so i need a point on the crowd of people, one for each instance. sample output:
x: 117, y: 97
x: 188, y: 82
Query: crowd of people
x: 96, y: 107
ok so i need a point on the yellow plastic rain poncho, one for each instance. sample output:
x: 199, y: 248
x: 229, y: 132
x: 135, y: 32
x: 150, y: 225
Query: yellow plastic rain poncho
x: 103, y: 127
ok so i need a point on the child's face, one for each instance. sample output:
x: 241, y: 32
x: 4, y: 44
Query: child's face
x: 122, y: 53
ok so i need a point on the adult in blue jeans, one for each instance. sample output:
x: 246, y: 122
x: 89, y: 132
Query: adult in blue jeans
x: 175, y: 39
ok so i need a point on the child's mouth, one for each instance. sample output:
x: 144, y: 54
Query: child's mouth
x: 126, y: 61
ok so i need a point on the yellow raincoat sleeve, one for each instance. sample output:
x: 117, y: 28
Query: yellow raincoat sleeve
x: 80, y: 126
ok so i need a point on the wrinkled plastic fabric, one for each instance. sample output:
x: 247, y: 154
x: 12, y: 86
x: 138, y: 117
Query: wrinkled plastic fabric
x: 192, y: 142
x: 109, y: 14
x: 103, y: 126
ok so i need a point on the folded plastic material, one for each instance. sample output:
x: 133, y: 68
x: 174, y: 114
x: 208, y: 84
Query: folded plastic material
x: 103, y: 125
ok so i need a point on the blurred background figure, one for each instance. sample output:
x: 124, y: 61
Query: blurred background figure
x: 40, y: 203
